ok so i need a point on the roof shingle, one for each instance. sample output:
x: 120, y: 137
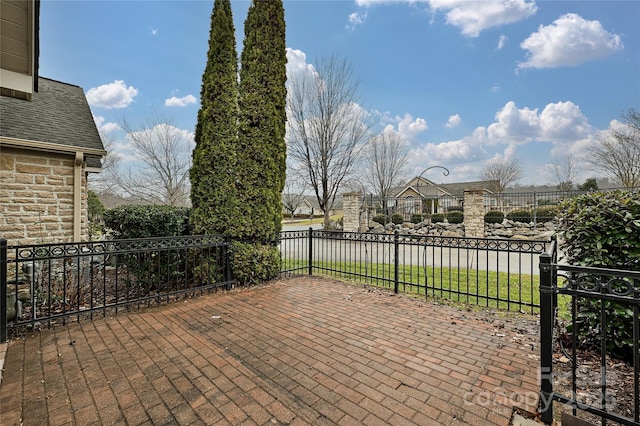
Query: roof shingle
x: 58, y: 113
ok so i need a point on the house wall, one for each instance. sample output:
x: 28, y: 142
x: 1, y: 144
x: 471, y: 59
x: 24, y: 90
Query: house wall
x: 36, y: 197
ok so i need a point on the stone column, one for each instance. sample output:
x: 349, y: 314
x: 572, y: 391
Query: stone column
x: 351, y: 209
x: 474, y: 213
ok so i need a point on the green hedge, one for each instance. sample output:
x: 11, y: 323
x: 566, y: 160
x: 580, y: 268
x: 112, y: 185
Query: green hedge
x: 397, y: 218
x: 523, y: 216
x: 546, y: 214
x: 417, y: 217
x: 602, y: 229
x: 254, y: 263
x: 381, y: 219
x: 455, y: 217
x: 494, y: 216
x: 437, y: 217
x: 150, y: 270
x: 147, y: 221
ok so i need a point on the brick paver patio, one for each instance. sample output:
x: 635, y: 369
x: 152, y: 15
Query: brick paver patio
x: 298, y: 351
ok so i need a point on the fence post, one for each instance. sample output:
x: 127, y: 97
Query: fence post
x: 227, y: 266
x: 546, y: 338
x: 310, y: 251
x: 535, y: 209
x: 3, y: 290
x: 396, y: 262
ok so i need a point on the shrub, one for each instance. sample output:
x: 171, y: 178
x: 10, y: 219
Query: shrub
x: 381, y: 219
x: 602, y: 229
x: 95, y: 210
x: 546, y: 214
x: 417, y: 217
x: 455, y: 217
x: 455, y: 209
x: 147, y: 221
x: 149, y: 270
x: 397, y: 218
x: 437, y: 217
x: 523, y: 216
x: 254, y: 263
x: 494, y: 216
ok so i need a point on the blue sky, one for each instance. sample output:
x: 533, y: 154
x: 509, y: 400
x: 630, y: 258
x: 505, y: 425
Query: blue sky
x: 462, y: 82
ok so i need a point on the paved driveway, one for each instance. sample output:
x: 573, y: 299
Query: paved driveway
x: 298, y: 351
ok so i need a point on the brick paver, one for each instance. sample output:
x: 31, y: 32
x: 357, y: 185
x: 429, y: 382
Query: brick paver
x: 299, y: 351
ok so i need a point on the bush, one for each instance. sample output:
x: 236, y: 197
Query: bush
x: 602, y: 229
x: 455, y: 209
x: 95, y: 210
x: 149, y: 270
x: 254, y: 263
x: 147, y: 221
x: 397, y: 218
x: 523, y: 216
x: 437, y: 217
x: 417, y: 217
x: 381, y: 219
x: 455, y: 217
x: 494, y: 216
x: 546, y: 214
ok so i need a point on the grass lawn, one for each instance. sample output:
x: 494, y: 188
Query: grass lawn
x: 499, y: 290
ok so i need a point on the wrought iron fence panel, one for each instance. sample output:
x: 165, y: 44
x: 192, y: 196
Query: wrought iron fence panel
x: 489, y: 272
x: 596, y: 297
x: 50, y: 282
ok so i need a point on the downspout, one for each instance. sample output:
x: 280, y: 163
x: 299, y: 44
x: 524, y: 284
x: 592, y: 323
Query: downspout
x: 77, y: 196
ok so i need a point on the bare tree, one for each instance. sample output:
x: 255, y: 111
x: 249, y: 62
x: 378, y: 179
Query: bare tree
x: 326, y: 128
x: 565, y: 169
x: 384, y: 159
x: 503, y: 172
x: 293, y: 194
x: 164, y: 155
x: 106, y: 182
x: 618, y: 153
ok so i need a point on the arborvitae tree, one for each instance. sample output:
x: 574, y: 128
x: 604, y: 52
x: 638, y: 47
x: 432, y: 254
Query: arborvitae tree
x: 262, y: 149
x: 213, y: 178
x: 261, y: 144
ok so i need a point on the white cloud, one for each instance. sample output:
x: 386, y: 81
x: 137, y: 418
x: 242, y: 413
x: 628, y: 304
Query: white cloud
x: 458, y: 151
x: 563, y: 121
x: 103, y: 126
x: 514, y: 125
x: 180, y: 102
x: 297, y: 63
x: 569, y: 41
x: 112, y: 95
x: 406, y: 126
x: 502, y: 41
x: 356, y: 19
x: 558, y: 123
x: 454, y: 121
x: 473, y: 17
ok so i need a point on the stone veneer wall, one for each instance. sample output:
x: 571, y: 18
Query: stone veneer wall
x: 36, y: 197
x: 474, y: 213
x: 351, y: 211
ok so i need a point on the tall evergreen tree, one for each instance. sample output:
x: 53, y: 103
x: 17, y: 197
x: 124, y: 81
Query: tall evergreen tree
x: 261, y: 143
x: 213, y: 178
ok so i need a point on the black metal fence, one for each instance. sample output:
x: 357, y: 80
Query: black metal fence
x: 497, y: 273
x: 601, y: 287
x: 539, y: 206
x: 48, y: 283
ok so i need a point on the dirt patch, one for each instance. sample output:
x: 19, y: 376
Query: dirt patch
x: 619, y: 390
